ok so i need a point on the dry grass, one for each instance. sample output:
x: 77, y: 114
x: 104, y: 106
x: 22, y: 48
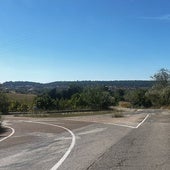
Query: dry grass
x: 65, y: 114
x: 22, y: 98
x: 125, y: 104
x: 165, y: 107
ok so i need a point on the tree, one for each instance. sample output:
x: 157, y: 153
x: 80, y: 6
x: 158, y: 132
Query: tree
x: 119, y: 95
x: 14, y: 106
x: 138, y: 98
x: 24, y: 108
x: 96, y: 98
x: 45, y: 102
x: 76, y: 101
x: 4, y: 103
x: 159, y: 94
x: 162, y: 78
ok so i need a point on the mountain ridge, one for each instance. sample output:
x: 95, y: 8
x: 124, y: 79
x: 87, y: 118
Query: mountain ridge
x: 35, y: 87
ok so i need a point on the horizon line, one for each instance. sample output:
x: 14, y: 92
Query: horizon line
x: 14, y: 81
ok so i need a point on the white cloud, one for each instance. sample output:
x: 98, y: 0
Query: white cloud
x: 161, y: 18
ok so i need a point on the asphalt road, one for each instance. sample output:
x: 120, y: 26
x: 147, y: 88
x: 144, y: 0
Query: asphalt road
x: 98, y: 146
x: 145, y: 148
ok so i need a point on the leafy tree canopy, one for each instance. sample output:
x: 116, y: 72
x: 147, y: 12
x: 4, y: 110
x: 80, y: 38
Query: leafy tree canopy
x: 162, y: 78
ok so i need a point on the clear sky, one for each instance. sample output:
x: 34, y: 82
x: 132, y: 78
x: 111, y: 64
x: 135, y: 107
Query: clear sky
x: 53, y: 40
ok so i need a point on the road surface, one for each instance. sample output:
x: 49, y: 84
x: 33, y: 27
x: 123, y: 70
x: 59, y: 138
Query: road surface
x: 88, y: 143
x: 145, y: 148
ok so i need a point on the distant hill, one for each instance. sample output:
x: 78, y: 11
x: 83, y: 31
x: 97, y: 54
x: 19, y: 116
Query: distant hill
x: 32, y: 87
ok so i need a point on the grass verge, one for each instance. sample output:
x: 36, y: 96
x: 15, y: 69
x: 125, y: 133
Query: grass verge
x: 66, y: 114
x: 22, y: 98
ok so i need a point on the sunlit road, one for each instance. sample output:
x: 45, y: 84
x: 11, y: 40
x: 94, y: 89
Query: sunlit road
x: 42, y: 145
x: 145, y: 148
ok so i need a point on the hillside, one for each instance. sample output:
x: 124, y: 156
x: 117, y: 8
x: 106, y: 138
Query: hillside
x: 21, y: 98
x: 36, y: 88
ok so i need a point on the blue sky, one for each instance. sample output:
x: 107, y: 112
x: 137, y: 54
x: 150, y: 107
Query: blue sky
x: 53, y: 40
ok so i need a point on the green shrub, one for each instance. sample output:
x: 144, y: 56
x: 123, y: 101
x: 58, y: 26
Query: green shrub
x: 4, y: 103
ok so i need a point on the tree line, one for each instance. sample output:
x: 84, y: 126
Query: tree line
x: 38, y: 88
x: 98, y: 98
x: 75, y: 97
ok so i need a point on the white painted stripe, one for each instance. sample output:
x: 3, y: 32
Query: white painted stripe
x: 97, y: 130
x: 122, y: 125
x: 13, y: 131
x: 142, y: 121
x: 60, y: 162
x: 115, y: 124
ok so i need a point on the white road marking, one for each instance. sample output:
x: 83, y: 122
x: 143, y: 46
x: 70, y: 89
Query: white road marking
x: 133, y: 127
x: 142, y: 121
x: 6, y: 123
x: 13, y: 131
x: 122, y: 125
x: 115, y: 124
x: 92, y: 131
x: 60, y: 162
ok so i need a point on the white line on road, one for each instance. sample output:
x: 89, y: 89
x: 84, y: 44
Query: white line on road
x: 142, y: 121
x: 60, y: 162
x: 122, y: 125
x: 115, y: 124
x: 13, y: 131
x: 134, y: 127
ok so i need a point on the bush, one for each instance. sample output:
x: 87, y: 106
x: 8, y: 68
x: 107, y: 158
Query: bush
x: 159, y: 97
x: 125, y: 104
x: 4, y: 104
x: 138, y: 98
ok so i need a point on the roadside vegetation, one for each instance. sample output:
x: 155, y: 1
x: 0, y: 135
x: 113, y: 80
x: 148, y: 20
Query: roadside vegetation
x: 0, y: 122
x: 68, y: 114
x: 100, y: 98
x: 77, y: 98
x: 20, y: 102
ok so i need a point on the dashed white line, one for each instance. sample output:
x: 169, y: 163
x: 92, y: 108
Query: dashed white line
x: 13, y: 131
